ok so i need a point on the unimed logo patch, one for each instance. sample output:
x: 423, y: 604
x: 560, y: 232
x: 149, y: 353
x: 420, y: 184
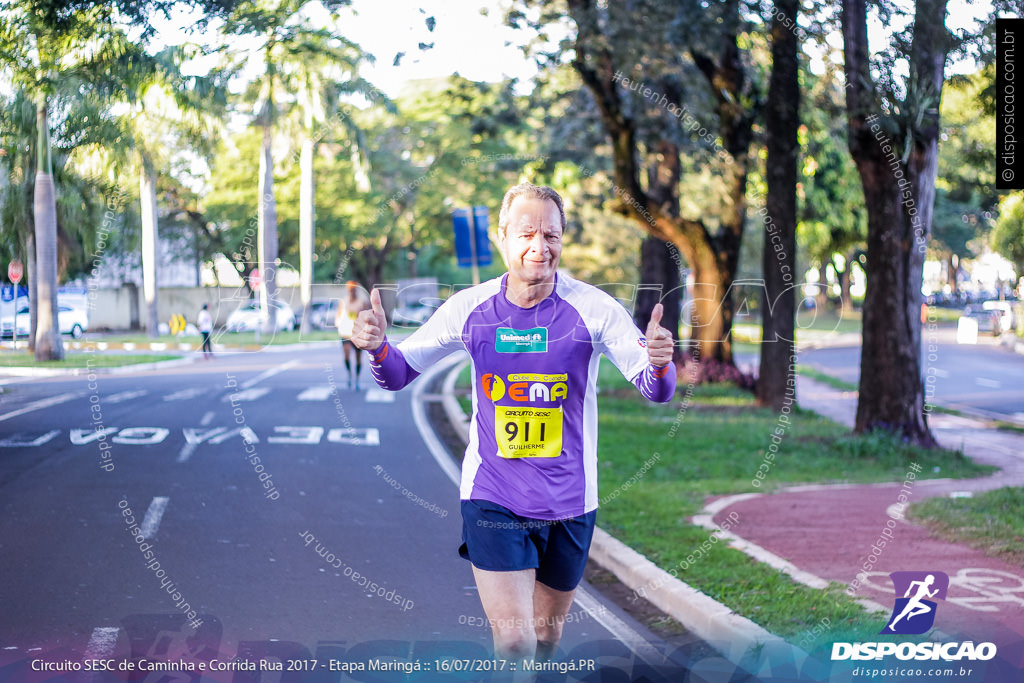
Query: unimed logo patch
x: 917, y: 596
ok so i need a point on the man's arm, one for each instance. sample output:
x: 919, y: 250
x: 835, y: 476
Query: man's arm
x: 387, y: 365
x: 658, y: 380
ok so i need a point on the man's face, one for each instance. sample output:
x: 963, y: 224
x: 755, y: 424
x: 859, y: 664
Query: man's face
x: 532, y: 242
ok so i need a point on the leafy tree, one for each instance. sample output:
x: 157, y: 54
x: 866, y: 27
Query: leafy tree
x: 893, y: 138
x: 1008, y: 235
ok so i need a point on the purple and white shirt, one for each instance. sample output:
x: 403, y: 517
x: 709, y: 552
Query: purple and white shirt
x: 533, y: 435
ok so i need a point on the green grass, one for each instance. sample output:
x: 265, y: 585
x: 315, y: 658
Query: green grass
x: 992, y: 522
x: 715, y: 446
x: 819, y: 376
x: 81, y: 360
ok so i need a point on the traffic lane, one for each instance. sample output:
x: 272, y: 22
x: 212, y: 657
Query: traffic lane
x: 213, y: 500
x: 466, y: 623
x: 974, y: 377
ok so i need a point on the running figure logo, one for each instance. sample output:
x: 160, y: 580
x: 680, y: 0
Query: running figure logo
x: 914, y: 613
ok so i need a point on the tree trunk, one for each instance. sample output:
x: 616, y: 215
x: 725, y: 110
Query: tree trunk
x: 267, y: 233
x: 713, y: 258
x: 660, y: 260
x: 30, y: 278
x: 150, y: 238
x: 776, y: 381
x: 899, y: 202
x: 49, y: 345
x: 951, y: 279
x: 307, y: 217
x: 659, y: 282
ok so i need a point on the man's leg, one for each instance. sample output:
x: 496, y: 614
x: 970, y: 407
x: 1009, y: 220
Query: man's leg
x: 359, y: 366
x: 508, y: 599
x: 550, y: 608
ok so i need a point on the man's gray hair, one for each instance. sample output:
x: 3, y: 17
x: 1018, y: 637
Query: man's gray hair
x: 530, y: 191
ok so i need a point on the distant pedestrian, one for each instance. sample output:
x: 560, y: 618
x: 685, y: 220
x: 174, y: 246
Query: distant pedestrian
x: 204, y: 321
x: 348, y: 309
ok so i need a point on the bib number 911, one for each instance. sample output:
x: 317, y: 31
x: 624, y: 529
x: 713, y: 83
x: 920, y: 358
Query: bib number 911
x: 528, y: 432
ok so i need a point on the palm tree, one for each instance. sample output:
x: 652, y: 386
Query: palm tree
x: 320, y: 79
x: 82, y: 48
x: 286, y: 37
x: 169, y: 109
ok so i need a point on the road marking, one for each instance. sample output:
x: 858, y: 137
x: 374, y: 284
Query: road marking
x: 207, y: 418
x: 185, y: 394
x: 247, y: 395
x: 316, y: 393
x: 270, y: 373
x: 938, y: 372
x: 125, y: 396
x: 43, y: 403
x: 216, y: 435
x: 13, y: 442
x: 988, y: 383
x: 377, y: 395
x: 101, y: 644
x: 141, y: 436
x: 81, y: 437
x: 151, y: 522
x: 354, y: 436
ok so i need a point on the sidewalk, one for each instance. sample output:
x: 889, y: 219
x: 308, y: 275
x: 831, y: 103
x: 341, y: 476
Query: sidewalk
x: 823, y: 533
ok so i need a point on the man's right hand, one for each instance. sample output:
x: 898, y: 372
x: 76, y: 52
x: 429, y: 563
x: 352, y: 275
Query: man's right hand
x: 369, y: 327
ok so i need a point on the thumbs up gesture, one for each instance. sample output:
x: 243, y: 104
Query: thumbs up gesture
x: 659, y: 340
x: 369, y: 327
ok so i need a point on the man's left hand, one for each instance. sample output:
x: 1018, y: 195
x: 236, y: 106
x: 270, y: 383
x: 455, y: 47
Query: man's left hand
x: 659, y: 340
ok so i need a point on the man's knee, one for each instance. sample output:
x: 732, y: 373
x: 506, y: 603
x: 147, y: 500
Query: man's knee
x: 549, y: 629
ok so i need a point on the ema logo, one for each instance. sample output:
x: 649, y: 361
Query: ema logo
x: 914, y: 612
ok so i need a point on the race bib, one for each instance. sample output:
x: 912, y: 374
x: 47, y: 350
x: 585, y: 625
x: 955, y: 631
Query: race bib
x: 528, y: 432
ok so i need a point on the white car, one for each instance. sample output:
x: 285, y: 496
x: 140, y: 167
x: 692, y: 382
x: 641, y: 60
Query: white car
x: 247, y: 317
x: 71, y: 321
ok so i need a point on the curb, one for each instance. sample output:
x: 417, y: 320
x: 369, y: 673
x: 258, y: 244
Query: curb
x: 740, y: 640
x: 74, y: 372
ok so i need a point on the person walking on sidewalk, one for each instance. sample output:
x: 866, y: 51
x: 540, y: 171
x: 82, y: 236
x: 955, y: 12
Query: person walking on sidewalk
x: 204, y: 321
x: 344, y: 320
x: 529, y: 476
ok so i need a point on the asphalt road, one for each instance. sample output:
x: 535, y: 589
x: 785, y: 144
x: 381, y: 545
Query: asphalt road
x: 338, y: 544
x: 983, y: 377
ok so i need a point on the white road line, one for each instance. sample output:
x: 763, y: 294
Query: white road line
x: 185, y: 394
x: 186, y: 451
x: 247, y: 395
x: 151, y: 522
x: 101, y: 644
x: 14, y: 441
x: 125, y: 396
x: 377, y: 395
x: 207, y: 418
x: 43, y: 403
x: 988, y: 383
x: 938, y: 372
x: 316, y: 393
x: 269, y: 373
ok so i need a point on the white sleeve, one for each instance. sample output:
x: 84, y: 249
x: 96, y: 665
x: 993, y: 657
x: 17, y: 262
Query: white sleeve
x: 439, y: 336
x: 622, y: 341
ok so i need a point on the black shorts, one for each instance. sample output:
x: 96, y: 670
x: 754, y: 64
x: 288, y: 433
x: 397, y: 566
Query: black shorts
x: 496, y: 539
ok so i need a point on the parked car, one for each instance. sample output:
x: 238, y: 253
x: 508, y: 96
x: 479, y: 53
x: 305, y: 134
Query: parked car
x: 1004, y: 309
x: 321, y: 317
x: 989, y: 322
x: 412, y: 313
x: 72, y: 321
x: 247, y: 317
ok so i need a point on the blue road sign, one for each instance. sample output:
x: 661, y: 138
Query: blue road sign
x: 463, y: 247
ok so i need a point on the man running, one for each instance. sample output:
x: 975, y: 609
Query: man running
x: 529, y: 476
x: 344, y: 320
x: 914, y: 606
